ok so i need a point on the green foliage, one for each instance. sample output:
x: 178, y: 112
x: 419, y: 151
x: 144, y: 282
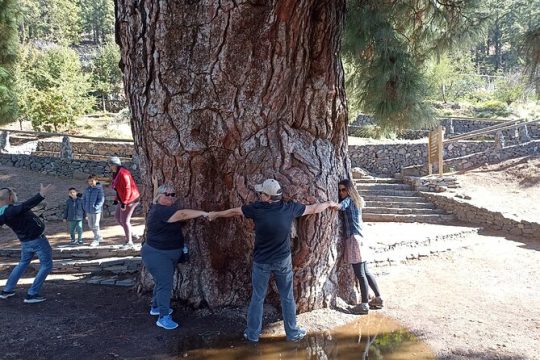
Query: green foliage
x: 531, y: 51
x: 509, y: 89
x: 384, y: 47
x: 491, y: 109
x: 58, y: 21
x: 106, y: 74
x: 98, y: 19
x: 8, y: 57
x: 372, y: 131
x: 509, y: 23
x: 53, y: 90
x: 451, y: 77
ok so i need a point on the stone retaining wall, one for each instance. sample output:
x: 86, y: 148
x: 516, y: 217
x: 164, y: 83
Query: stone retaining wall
x: 388, y: 159
x: 452, y: 127
x: 78, y: 169
x: 491, y: 157
x: 433, y: 183
x: 104, y: 149
x: 484, y: 217
x: 461, y: 126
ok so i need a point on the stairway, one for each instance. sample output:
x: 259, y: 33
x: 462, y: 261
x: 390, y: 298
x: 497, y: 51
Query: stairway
x: 106, y: 265
x: 391, y: 200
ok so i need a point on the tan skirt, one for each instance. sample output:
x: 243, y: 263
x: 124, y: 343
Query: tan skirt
x: 356, y: 250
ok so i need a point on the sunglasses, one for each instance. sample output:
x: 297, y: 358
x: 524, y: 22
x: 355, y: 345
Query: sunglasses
x: 342, y: 190
x: 170, y: 194
x: 10, y: 190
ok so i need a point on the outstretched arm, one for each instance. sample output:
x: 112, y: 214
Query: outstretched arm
x: 225, y: 213
x: 30, y: 203
x: 186, y: 214
x: 318, y: 207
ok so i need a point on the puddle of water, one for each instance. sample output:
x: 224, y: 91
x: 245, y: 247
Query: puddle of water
x: 370, y: 337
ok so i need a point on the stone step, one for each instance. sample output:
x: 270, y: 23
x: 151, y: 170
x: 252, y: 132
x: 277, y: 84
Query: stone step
x: 403, y: 204
x: 80, y: 252
x: 368, y: 180
x: 398, y: 210
x: 76, y: 156
x: 392, y: 198
x: 418, y: 251
x: 389, y: 192
x: 425, y: 218
x: 365, y: 187
x: 115, y: 265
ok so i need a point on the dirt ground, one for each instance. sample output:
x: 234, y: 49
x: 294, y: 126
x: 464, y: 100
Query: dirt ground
x: 511, y: 187
x: 481, y: 302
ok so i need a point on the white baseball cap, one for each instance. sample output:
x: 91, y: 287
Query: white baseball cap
x: 115, y: 160
x: 269, y: 187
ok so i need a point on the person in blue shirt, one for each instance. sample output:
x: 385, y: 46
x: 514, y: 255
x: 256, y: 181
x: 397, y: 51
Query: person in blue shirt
x: 273, y: 219
x: 163, y: 248
x: 74, y: 215
x: 356, y: 252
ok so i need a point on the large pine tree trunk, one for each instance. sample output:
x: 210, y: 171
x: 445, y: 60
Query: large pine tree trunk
x: 224, y: 94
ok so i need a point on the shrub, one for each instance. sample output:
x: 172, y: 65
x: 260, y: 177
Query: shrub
x: 492, y: 108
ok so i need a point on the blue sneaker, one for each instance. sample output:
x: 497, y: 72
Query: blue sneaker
x: 299, y: 336
x: 6, y: 294
x: 166, y: 322
x: 155, y: 311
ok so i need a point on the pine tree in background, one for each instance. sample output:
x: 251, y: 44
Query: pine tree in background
x: 531, y: 48
x: 8, y: 57
x: 385, y: 45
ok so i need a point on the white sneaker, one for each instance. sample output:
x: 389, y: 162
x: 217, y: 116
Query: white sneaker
x: 94, y: 243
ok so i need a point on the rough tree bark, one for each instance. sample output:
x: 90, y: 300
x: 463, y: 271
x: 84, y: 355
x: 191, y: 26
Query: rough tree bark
x: 224, y: 94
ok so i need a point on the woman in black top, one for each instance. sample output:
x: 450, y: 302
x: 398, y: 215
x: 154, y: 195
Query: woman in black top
x: 163, y: 248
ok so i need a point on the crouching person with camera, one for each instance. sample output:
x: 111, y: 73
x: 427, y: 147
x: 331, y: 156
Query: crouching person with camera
x: 164, y: 248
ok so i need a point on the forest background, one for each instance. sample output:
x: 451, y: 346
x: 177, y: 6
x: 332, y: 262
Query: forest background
x: 59, y: 66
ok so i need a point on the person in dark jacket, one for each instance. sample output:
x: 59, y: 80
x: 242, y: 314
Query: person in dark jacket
x: 127, y: 197
x: 29, y: 229
x: 93, y: 199
x: 74, y: 215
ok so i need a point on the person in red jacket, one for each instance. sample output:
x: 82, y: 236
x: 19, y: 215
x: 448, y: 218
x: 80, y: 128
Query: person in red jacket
x: 127, y: 196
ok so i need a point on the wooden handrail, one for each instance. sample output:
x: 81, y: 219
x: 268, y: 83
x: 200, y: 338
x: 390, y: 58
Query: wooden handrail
x: 491, y: 129
x: 47, y: 134
x: 475, y: 119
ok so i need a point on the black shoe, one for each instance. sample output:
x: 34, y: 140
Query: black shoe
x: 34, y: 299
x: 6, y: 294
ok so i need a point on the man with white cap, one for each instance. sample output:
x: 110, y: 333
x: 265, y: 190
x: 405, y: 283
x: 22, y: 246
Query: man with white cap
x: 272, y: 253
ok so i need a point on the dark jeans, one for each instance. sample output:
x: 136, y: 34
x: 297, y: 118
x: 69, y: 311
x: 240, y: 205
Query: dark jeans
x: 364, y: 277
x: 161, y: 264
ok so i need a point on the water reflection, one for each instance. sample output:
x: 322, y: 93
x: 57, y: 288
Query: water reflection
x: 370, y: 337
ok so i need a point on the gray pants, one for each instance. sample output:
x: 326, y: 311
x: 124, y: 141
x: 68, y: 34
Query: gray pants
x: 93, y: 224
x: 161, y: 264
